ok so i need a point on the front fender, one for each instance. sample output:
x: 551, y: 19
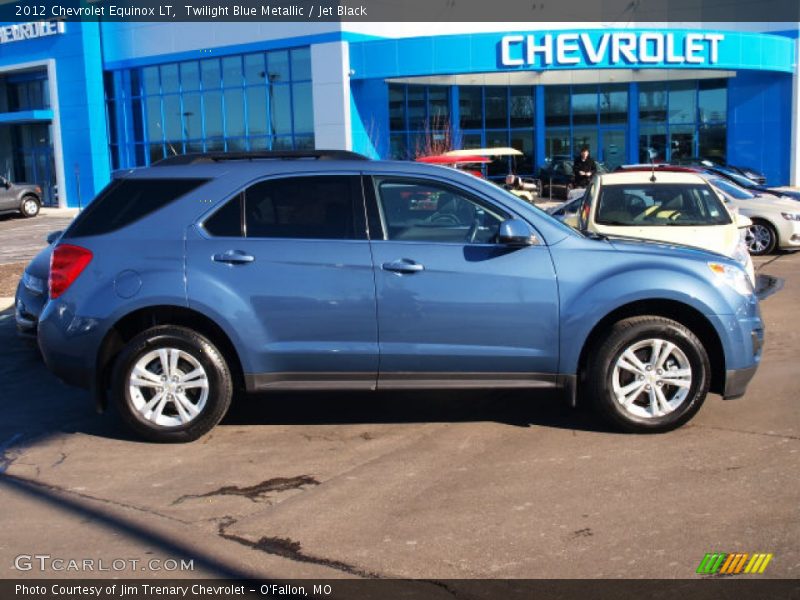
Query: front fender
x: 594, y: 284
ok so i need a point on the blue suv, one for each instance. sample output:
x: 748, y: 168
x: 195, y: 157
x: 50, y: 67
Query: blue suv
x: 205, y: 274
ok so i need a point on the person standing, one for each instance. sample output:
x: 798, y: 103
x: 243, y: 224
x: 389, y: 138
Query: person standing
x: 583, y: 169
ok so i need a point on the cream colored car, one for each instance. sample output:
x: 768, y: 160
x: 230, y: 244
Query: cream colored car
x: 665, y: 206
x: 776, y: 221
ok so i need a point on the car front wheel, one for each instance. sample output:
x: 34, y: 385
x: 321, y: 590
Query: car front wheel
x: 171, y: 384
x: 650, y: 374
x: 760, y: 238
x: 29, y: 207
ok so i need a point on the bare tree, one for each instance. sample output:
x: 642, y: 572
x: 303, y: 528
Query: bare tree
x: 437, y: 137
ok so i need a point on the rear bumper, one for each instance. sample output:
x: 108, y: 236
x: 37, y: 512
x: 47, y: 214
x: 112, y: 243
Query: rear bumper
x: 736, y: 381
x: 68, y: 344
x: 27, y: 308
x: 26, y: 325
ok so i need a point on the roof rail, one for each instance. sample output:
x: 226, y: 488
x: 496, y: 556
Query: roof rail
x: 208, y: 157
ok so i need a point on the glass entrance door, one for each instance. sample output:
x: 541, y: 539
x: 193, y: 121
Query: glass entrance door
x: 613, y: 151
x: 32, y: 158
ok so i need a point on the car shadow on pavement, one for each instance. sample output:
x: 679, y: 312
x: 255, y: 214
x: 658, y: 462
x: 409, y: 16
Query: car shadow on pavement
x: 518, y: 408
x: 38, y: 404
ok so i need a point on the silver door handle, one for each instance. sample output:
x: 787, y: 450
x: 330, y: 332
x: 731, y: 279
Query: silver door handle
x: 403, y: 265
x: 234, y: 257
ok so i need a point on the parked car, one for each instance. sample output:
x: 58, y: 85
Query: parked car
x: 204, y: 274
x: 557, y: 178
x: 24, y: 198
x: 31, y: 293
x: 671, y: 204
x: 736, y: 177
x: 696, y: 161
x: 776, y: 221
x: 752, y: 174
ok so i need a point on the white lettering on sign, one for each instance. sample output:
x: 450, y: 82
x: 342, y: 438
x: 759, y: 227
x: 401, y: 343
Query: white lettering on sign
x: 619, y: 48
x: 30, y: 31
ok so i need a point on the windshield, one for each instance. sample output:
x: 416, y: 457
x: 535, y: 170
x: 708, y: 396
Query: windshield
x: 733, y: 190
x: 739, y: 179
x: 660, y: 204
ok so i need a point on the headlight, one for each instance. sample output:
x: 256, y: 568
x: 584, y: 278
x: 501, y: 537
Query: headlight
x: 33, y: 284
x: 791, y: 216
x: 734, y: 277
x: 742, y: 253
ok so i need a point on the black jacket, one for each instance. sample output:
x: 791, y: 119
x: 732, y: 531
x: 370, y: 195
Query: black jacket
x: 588, y: 166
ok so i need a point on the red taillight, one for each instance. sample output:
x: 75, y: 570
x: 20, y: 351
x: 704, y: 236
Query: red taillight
x: 66, y: 263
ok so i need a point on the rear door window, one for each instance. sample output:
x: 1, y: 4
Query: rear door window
x: 125, y: 201
x: 227, y: 221
x: 309, y: 207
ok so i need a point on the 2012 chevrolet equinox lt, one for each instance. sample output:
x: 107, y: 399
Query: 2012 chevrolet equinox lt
x: 204, y: 274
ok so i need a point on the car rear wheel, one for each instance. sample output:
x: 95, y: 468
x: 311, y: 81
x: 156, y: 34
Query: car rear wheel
x: 761, y: 238
x: 171, y: 384
x: 650, y: 374
x: 29, y: 207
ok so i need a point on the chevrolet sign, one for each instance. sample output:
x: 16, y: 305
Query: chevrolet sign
x: 623, y: 49
x: 30, y: 31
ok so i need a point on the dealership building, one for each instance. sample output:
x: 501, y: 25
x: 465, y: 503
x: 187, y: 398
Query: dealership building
x: 79, y: 101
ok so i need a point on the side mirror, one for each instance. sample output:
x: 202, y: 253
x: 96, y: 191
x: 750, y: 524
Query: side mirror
x: 5, y: 182
x: 53, y: 236
x: 517, y: 234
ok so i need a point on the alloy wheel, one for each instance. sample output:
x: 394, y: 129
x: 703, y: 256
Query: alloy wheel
x: 651, y: 378
x: 168, y: 387
x: 758, y: 238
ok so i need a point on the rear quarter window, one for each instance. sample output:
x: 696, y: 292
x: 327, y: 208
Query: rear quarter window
x: 125, y: 201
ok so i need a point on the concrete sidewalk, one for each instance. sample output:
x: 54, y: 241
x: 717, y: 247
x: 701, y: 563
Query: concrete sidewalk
x: 58, y: 212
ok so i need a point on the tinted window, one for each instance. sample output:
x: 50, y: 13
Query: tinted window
x: 320, y: 207
x: 427, y: 212
x: 731, y: 189
x: 227, y: 221
x: 646, y: 205
x: 125, y: 201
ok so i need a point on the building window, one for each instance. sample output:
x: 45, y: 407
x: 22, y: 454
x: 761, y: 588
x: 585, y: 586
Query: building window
x: 259, y: 101
x: 683, y: 119
x: 419, y: 121
x: 586, y: 115
x: 24, y: 90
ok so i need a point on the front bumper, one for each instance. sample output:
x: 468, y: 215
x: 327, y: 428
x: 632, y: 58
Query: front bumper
x: 789, y: 234
x: 736, y: 381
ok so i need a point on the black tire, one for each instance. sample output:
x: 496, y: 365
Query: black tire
x: 29, y: 206
x: 626, y: 334
x: 761, y: 238
x: 220, y: 384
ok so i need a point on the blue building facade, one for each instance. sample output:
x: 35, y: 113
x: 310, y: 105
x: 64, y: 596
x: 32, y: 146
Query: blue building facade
x: 80, y: 100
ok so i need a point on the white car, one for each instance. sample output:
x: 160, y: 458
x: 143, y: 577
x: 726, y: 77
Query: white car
x: 776, y: 221
x: 670, y: 206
